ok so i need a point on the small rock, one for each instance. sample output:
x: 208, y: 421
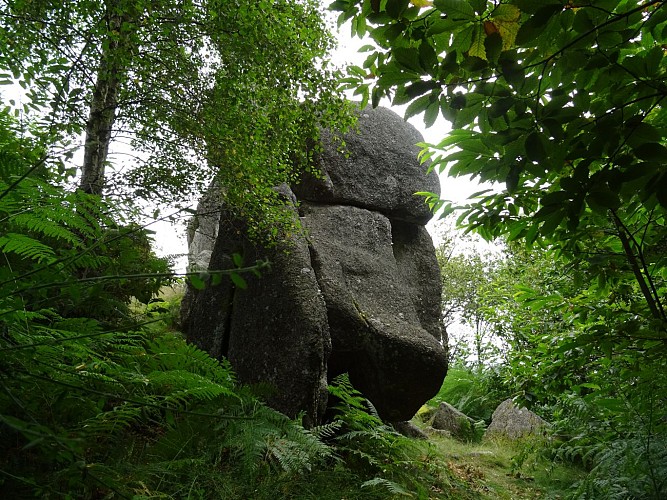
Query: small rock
x: 512, y: 422
x: 459, y: 425
x: 409, y: 429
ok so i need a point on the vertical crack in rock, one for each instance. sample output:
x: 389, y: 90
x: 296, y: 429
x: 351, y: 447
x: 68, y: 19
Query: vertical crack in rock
x: 226, y: 331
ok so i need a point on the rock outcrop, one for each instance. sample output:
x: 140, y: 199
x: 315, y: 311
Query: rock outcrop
x: 358, y: 292
x: 510, y: 421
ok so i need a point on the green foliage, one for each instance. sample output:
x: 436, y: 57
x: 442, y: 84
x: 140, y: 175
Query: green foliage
x: 230, y: 92
x: 577, y: 361
x: 392, y: 462
x: 92, y: 409
x: 559, y: 105
x: 586, y: 354
x: 475, y: 393
x: 59, y: 249
x: 469, y: 280
x: 560, y: 102
x: 633, y: 467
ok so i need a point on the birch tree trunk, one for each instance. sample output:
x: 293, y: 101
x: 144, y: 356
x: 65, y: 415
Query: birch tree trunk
x: 102, y: 114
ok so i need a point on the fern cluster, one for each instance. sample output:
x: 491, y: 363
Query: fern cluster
x: 391, y: 463
x: 622, y: 443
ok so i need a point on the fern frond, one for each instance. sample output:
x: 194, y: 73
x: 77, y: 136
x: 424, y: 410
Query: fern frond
x: 26, y: 247
x: 175, y: 354
x: 44, y: 225
x: 106, y: 424
x: 392, y: 487
x: 327, y: 431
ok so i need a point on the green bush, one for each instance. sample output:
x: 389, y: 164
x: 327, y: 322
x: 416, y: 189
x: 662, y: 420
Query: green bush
x: 475, y: 393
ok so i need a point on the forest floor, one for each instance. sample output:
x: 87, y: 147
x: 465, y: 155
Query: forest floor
x: 496, y: 469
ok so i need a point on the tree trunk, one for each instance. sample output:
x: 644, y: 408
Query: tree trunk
x: 102, y: 115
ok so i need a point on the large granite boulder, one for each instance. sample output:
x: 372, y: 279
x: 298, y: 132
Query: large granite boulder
x: 376, y: 332
x: 203, y: 229
x: 357, y: 292
x: 275, y: 330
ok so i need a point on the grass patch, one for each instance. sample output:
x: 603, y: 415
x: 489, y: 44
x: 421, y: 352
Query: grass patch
x: 501, y: 469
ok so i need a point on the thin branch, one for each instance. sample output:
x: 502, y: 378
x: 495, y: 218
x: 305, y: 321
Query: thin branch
x: 651, y: 300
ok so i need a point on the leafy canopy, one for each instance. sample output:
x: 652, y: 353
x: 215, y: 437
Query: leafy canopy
x: 194, y: 90
x: 560, y: 104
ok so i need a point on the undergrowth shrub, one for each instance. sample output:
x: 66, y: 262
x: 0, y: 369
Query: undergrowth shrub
x: 621, y: 441
x: 83, y: 384
x: 475, y: 393
x: 63, y: 252
x: 391, y: 462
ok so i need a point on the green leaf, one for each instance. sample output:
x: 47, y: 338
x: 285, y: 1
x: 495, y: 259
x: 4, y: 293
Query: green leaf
x: 408, y: 57
x: 197, y: 282
x: 535, y: 26
x: 427, y: 57
x: 457, y: 10
x: 238, y: 280
x: 652, y: 151
x: 654, y: 59
x: 641, y: 133
x: 419, y: 88
x: 440, y: 26
x: 237, y: 259
x: 612, y: 404
x: 463, y: 39
x: 418, y: 106
x: 394, y: 76
x: 582, y: 22
x: 493, y: 45
x: 501, y: 106
x: 551, y: 222
x: 513, y: 72
x: 475, y: 145
x: 512, y: 179
x: 431, y: 113
x: 479, y: 6
x: 506, y: 13
x: 535, y: 147
x: 610, y: 39
x: 477, y: 46
x: 506, y: 19
x: 396, y: 8
x: 603, y: 199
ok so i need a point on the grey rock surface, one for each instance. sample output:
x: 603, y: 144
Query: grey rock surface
x: 376, y: 334
x: 202, y: 229
x: 357, y: 292
x: 378, y: 169
x: 419, y: 271
x: 409, y: 429
x: 447, y: 418
x: 513, y: 422
x: 275, y: 331
x: 202, y: 233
